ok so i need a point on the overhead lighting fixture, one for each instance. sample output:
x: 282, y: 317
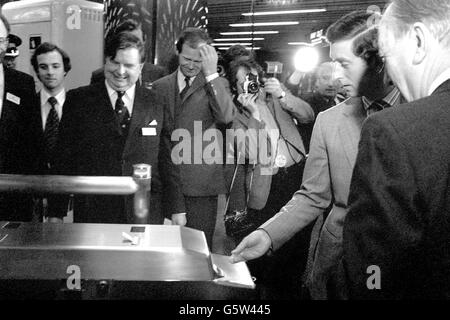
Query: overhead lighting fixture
x: 267, y: 13
x: 231, y: 44
x: 247, y: 32
x: 299, y: 44
x: 248, y: 48
x: 261, y: 24
x: 239, y: 39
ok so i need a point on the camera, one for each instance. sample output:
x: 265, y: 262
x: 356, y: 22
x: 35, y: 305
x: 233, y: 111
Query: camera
x: 251, y: 84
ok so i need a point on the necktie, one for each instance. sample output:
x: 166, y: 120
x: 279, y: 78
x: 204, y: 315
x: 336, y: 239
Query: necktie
x: 376, y: 106
x: 51, y: 129
x: 123, y: 116
x: 185, y: 89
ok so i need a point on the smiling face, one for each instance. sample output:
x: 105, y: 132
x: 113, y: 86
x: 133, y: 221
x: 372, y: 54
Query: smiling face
x: 190, y: 60
x: 122, y: 71
x: 353, y: 67
x: 4, y: 40
x: 50, y: 71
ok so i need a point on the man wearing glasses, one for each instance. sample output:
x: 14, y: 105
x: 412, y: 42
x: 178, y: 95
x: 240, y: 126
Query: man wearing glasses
x: 17, y: 98
x: 109, y: 126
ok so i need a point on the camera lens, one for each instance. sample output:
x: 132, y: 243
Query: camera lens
x: 253, y: 87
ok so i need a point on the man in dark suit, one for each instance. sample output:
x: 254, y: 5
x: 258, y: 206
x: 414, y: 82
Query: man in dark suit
x: 110, y: 126
x: 200, y: 103
x: 18, y: 97
x: 397, y: 231
x: 51, y: 65
x: 149, y: 73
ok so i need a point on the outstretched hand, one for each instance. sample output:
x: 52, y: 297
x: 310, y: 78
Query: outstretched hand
x: 253, y: 246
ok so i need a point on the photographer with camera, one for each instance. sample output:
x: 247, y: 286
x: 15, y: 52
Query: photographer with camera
x: 274, y: 155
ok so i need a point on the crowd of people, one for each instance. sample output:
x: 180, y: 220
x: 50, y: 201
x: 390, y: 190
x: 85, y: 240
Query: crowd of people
x: 347, y: 188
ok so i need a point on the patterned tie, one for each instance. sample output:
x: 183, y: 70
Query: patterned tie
x: 51, y: 130
x: 376, y: 106
x: 186, y: 88
x: 123, y: 116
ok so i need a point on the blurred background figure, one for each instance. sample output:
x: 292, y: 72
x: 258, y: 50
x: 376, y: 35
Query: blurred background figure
x: 327, y: 91
x: 12, y: 52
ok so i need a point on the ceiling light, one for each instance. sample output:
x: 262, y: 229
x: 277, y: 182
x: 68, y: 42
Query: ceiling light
x: 247, y: 32
x: 266, y: 13
x: 299, y: 43
x: 248, y: 48
x: 231, y: 44
x: 260, y: 24
x: 239, y: 39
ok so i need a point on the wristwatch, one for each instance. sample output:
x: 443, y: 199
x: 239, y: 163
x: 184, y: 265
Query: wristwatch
x: 282, y: 95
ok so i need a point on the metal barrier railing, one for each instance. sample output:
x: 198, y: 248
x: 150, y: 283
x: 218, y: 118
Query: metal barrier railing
x: 139, y: 185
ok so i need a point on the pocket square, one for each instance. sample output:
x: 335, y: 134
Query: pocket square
x: 149, y: 131
x: 153, y: 123
x: 12, y: 98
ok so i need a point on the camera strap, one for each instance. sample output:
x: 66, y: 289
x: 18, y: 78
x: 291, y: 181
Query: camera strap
x: 232, y: 184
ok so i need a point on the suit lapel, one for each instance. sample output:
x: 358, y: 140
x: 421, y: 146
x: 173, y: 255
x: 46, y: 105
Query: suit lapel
x: 350, y: 128
x: 198, y: 83
x: 173, y: 93
x: 138, y: 116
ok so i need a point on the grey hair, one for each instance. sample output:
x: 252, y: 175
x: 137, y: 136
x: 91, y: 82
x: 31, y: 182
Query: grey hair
x: 435, y: 14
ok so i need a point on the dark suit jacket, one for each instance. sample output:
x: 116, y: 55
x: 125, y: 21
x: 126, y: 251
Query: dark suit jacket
x: 150, y: 73
x: 18, y: 99
x: 399, y: 216
x: 89, y: 144
x: 37, y: 135
x: 205, y: 106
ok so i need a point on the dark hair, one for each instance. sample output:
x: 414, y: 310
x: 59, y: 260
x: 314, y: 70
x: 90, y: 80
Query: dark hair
x: 233, y: 53
x: 121, y: 41
x: 234, y: 67
x: 365, y: 46
x: 5, y: 22
x: 49, y: 47
x: 349, y: 26
x: 192, y: 37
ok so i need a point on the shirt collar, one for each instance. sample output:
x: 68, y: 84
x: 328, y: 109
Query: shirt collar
x: 444, y: 76
x: 393, y: 98
x: 60, y: 97
x: 180, y: 80
x: 113, y: 93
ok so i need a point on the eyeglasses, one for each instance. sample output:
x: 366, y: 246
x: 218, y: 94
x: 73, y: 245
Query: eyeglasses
x: 4, y: 40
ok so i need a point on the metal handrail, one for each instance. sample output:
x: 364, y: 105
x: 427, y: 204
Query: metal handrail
x: 139, y: 185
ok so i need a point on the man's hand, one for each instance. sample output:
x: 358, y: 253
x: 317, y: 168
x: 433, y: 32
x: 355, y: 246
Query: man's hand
x: 248, y: 100
x: 253, y: 246
x: 209, y: 59
x: 179, y: 219
x: 273, y: 86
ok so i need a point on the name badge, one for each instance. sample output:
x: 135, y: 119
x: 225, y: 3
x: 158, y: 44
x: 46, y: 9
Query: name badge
x: 149, y: 131
x: 12, y: 98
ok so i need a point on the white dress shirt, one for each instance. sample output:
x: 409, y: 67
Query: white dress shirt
x: 128, y: 97
x: 45, y: 105
x: 181, y: 82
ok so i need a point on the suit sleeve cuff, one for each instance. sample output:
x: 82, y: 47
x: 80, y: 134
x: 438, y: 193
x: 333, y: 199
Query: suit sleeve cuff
x: 211, y: 77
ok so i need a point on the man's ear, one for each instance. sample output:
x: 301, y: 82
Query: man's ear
x: 422, y: 38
